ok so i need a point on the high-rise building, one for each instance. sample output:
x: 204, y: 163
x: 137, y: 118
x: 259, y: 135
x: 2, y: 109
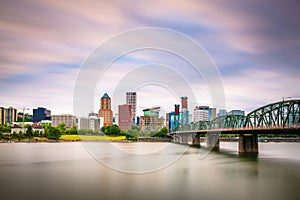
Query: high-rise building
x: 151, y: 120
x: 237, y: 113
x: 116, y: 119
x: 204, y: 113
x: 8, y: 115
x: 213, y: 113
x: 131, y: 100
x: 185, y: 112
x: 201, y: 113
x: 154, y: 111
x: 93, y: 115
x: 222, y: 112
x: 40, y: 114
x: 93, y: 122
x: 151, y: 123
x: 184, y: 103
x: 2, y: 115
x: 125, y: 117
x: 68, y: 120
x: 105, y: 110
x: 172, y: 121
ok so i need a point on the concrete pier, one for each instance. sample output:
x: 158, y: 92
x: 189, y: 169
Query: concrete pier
x: 212, y: 141
x: 248, y: 143
x: 196, y: 140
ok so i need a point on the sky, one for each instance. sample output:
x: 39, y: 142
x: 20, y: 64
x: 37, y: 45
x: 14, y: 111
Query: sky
x: 43, y: 45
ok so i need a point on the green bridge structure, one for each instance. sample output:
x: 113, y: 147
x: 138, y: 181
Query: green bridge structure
x: 282, y: 117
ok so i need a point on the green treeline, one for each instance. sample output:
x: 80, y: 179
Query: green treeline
x: 54, y: 133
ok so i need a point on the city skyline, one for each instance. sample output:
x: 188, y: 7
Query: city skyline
x: 106, y: 105
x: 255, y: 47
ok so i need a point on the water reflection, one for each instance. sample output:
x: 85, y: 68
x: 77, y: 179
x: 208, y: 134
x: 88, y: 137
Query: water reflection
x: 67, y: 171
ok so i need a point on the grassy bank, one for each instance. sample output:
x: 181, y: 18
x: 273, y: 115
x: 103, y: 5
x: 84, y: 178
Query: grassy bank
x: 91, y: 138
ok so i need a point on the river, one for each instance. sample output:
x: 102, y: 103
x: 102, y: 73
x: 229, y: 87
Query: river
x: 147, y: 171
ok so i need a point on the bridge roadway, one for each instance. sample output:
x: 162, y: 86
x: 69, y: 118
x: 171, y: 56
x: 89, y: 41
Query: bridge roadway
x: 248, y: 141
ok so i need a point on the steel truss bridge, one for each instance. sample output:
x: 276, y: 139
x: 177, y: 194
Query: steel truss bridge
x: 275, y: 118
x: 283, y: 114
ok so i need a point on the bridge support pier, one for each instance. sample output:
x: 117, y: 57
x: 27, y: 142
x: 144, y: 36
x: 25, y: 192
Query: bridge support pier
x: 248, y: 144
x: 180, y: 139
x: 176, y: 139
x: 196, y: 140
x: 212, y: 141
x: 184, y: 138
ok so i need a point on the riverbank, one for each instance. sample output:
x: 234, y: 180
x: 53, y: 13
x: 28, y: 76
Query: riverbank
x: 71, y: 138
x: 122, y: 139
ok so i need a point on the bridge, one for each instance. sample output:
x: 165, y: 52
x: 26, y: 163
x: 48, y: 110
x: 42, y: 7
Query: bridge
x: 276, y: 118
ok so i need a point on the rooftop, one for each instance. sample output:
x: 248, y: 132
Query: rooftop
x: 105, y: 96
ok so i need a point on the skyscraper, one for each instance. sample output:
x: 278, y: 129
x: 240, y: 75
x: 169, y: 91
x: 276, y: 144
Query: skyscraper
x: 8, y: 115
x: 185, y: 112
x: 184, y: 103
x: 201, y: 113
x: 204, y: 113
x: 131, y: 100
x: 105, y: 110
x: 2, y: 115
x: 125, y: 117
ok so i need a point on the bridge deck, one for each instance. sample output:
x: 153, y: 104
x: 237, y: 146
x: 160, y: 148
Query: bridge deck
x: 257, y: 130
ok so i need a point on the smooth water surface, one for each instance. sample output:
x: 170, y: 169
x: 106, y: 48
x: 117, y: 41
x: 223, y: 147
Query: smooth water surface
x: 68, y: 171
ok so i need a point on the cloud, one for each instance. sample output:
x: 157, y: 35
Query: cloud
x: 255, y: 87
x: 43, y: 43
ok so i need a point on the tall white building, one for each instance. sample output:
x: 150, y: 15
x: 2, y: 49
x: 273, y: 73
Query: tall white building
x: 201, y: 115
x: 93, y: 122
x: 204, y: 113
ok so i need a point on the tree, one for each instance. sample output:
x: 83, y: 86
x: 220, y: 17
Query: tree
x: 27, y: 117
x: 162, y: 132
x: 128, y: 136
x: 20, y: 136
x: 138, y: 128
x: 111, y: 130
x: 133, y: 132
x: 4, y: 128
x: 114, y: 130
x: 54, y: 133
x: 71, y: 131
x: 36, y: 133
x: 14, y: 135
x: 29, y: 131
x: 61, y: 128
x: 46, y: 129
x: 107, y: 130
